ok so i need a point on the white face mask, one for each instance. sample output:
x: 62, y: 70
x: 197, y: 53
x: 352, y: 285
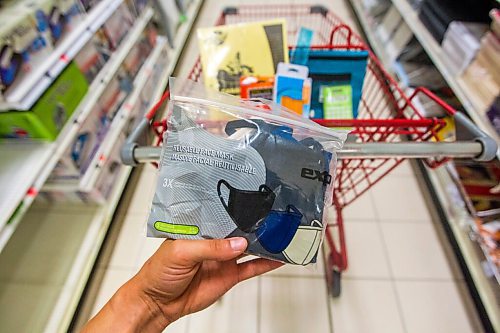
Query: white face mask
x: 304, y: 244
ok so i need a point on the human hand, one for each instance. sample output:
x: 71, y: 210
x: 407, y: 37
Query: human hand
x: 182, y: 277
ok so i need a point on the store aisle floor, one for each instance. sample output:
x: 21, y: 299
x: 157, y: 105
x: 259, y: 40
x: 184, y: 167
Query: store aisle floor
x: 401, y: 277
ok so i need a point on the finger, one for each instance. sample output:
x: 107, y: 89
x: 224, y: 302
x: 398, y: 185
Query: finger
x: 252, y: 268
x: 196, y: 251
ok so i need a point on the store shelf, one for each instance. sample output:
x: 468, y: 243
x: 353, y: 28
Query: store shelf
x: 369, y: 28
x: 83, y: 263
x: 17, y: 193
x: 26, y: 93
x: 89, y: 178
x: 473, y: 104
x: 462, y: 227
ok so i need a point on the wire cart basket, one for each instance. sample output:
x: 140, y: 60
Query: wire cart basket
x: 388, y: 129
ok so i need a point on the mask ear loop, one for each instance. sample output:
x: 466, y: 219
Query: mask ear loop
x: 229, y: 187
x: 293, y: 209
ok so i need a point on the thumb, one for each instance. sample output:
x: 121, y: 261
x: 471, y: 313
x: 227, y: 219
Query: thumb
x: 195, y: 251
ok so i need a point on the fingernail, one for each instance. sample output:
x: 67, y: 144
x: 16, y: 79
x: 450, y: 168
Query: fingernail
x: 238, y: 244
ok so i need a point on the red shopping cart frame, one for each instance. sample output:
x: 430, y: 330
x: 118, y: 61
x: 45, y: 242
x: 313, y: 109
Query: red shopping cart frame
x: 385, y: 113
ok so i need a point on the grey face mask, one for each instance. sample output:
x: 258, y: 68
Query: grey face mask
x: 186, y: 203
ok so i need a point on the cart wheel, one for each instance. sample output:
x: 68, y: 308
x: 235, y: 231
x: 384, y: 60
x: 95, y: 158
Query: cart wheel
x: 335, y: 287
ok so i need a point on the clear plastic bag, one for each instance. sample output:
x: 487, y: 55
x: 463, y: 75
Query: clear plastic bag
x: 250, y: 168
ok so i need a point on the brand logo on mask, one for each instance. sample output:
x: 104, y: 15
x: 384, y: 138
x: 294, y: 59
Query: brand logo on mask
x: 323, y: 177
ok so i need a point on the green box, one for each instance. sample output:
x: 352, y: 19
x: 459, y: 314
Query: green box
x: 48, y: 116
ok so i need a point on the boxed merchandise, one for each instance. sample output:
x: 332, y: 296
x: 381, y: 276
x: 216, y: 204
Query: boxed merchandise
x: 257, y: 87
x: 48, y: 116
x: 226, y: 55
x: 268, y: 176
x: 292, y: 88
x: 117, y: 26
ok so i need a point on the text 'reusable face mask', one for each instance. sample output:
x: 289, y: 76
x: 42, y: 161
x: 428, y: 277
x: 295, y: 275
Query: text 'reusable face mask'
x: 278, y: 229
x: 305, y: 243
x: 246, y: 208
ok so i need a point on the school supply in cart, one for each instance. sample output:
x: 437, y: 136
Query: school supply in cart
x: 232, y: 51
x: 292, y: 88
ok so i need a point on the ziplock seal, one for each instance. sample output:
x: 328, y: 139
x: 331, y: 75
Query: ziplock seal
x: 338, y: 136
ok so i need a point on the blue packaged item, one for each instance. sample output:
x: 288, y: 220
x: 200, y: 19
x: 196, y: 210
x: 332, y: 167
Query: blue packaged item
x: 336, y: 68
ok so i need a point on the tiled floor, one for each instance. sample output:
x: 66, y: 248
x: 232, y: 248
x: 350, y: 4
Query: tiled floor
x: 400, y: 277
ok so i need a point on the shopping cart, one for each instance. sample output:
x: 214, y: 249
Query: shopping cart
x: 388, y: 129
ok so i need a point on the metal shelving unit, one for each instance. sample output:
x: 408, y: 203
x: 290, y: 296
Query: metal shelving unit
x: 456, y: 217
x: 19, y: 189
x: 473, y: 104
x: 29, y: 90
x: 461, y: 224
x: 93, y: 220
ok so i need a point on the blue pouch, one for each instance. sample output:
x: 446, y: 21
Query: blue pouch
x: 336, y: 67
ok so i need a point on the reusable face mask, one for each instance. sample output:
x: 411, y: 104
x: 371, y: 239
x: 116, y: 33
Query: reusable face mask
x: 296, y: 171
x: 304, y: 244
x: 186, y: 203
x: 278, y: 229
x: 246, y: 208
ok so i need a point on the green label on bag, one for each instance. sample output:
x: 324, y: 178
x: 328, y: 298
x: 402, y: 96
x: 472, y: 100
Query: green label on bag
x: 178, y: 229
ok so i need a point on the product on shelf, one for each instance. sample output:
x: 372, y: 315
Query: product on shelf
x: 479, y: 181
x: 117, y: 25
x: 483, y: 74
x: 48, y: 116
x: 76, y: 160
x: 108, y: 175
x: 22, y: 46
x: 59, y: 16
x: 436, y: 15
x: 116, y: 92
x: 460, y: 44
x: 226, y: 55
x: 93, y: 56
x: 494, y: 114
x: 137, y: 55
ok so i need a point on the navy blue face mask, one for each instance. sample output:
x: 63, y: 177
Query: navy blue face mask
x: 247, y: 208
x: 278, y: 229
x: 297, y: 171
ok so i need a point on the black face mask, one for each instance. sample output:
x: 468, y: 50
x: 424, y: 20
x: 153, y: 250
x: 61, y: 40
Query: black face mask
x: 296, y: 170
x: 247, y: 208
